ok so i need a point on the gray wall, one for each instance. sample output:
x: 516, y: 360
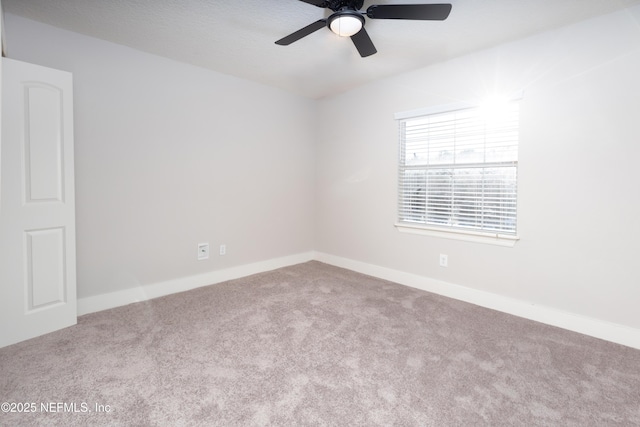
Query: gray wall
x: 169, y: 155
x: 579, y: 202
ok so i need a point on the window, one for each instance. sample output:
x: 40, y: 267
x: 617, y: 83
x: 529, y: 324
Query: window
x: 458, y: 170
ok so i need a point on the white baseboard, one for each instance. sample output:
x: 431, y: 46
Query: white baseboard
x: 128, y: 296
x: 613, y: 332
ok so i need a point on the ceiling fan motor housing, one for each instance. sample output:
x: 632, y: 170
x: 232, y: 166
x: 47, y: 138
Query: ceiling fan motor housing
x: 337, y: 5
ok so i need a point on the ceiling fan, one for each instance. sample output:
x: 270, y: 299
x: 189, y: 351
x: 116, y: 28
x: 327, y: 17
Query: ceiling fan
x: 348, y: 21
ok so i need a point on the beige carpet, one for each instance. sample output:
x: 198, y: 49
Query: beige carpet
x: 315, y: 345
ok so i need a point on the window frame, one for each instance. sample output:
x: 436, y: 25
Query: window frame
x: 449, y: 232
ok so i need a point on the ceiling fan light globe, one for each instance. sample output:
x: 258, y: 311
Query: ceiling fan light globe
x: 346, y: 25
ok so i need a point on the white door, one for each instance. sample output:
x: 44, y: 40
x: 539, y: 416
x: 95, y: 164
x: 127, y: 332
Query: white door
x: 37, y: 206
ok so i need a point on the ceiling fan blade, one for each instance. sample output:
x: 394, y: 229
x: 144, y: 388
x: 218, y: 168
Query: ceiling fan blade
x: 303, y: 32
x: 363, y: 43
x: 319, y: 3
x: 429, y: 12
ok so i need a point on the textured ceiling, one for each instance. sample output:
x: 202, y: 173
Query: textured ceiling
x: 237, y: 37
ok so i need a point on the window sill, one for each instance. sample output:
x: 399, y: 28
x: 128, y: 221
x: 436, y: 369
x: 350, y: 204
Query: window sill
x: 467, y: 236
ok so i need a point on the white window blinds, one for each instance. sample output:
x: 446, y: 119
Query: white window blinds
x: 458, y: 169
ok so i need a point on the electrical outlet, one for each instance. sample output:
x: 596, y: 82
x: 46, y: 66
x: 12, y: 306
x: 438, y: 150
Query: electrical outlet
x: 223, y: 249
x: 203, y: 251
x: 444, y: 260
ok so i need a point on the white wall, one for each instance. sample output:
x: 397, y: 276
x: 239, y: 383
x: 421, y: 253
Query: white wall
x: 579, y: 201
x: 169, y: 155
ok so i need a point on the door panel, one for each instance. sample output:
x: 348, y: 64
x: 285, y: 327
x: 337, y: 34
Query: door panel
x: 43, y: 143
x: 37, y: 205
x: 45, y: 258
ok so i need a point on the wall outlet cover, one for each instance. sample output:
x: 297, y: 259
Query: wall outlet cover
x: 203, y: 251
